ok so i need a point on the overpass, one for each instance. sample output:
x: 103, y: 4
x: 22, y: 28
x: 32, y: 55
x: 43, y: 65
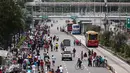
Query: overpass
x: 90, y: 17
x: 77, y: 4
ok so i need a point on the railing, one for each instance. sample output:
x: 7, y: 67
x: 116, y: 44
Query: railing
x: 79, y: 14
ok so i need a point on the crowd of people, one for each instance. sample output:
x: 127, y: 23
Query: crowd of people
x: 31, y: 60
x: 92, y: 58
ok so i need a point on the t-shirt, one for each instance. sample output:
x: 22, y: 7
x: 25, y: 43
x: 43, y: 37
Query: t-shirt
x: 53, y: 58
x: 39, y: 57
x: 46, y: 58
x: 61, y: 69
x: 33, y: 67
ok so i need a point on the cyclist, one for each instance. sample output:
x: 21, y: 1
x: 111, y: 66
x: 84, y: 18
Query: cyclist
x: 74, y: 51
x: 79, y: 62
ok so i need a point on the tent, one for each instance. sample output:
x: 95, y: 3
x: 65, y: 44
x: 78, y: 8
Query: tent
x: 3, y: 53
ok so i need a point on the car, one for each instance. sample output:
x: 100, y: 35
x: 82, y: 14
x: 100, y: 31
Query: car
x: 67, y: 42
x: 66, y: 55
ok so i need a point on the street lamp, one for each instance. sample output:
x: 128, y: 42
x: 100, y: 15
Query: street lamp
x: 105, y: 20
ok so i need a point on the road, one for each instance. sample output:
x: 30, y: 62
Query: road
x: 69, y: 66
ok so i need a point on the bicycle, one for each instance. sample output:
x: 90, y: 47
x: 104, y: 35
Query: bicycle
x: 77, y: 66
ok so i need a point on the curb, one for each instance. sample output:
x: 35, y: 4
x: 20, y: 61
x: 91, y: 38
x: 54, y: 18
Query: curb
x: 110, y: 68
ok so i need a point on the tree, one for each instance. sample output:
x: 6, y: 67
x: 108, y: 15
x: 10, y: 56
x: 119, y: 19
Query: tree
x: 11, y: 20
x: 119, y: 40
x: 106, y: 38
x: 94, y: 28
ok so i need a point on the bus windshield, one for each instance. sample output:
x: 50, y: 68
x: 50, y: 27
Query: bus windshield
x: 76, y: 26
x: 93, y: 36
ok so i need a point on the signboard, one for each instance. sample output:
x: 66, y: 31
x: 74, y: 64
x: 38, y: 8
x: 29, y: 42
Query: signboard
x: 128, y: 23
x: 44, y: 17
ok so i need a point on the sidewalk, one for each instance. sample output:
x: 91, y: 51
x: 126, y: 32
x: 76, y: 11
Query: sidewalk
x: 119, y: 65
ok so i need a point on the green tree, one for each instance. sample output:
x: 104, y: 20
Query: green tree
x: 119, y: 40
x: 11, y: 20
x: 106, y: 38
x: 94, y: 28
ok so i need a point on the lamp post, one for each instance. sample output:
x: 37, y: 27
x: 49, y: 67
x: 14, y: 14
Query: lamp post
x: 105, y: 19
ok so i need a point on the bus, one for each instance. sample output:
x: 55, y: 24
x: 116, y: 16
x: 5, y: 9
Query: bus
x: 76, y: 29
x: 69, y: 26
x: 92, y: 39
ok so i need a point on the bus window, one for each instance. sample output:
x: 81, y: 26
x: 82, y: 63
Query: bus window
x: 93, y: 36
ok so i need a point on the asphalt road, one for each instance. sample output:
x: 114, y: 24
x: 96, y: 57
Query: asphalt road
x: 69, y: 66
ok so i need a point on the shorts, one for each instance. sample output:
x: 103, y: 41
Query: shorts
x: 56, y: 47
x: 53, y: 61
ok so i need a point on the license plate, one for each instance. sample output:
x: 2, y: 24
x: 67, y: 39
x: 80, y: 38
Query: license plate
x: 66, y: 55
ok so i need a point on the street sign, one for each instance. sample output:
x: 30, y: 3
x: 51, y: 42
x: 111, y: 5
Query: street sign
x: 44, y: 17
x: 128, y: 23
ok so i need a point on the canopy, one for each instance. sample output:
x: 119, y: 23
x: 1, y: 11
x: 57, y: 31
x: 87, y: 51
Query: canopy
x: 73, y: 17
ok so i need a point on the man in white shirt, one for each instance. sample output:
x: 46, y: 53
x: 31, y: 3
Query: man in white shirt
x: 39, y: 57
x: 61, y: 69
x: 53, y: 60
x: 33, y: 68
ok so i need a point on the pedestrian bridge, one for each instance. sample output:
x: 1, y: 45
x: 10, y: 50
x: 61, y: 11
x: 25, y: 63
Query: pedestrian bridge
x: 91, y: 17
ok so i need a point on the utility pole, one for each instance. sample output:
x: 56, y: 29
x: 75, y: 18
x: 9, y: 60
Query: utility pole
x: 105, y: 19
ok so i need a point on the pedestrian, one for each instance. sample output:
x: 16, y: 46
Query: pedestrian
x: 51, y: 47
x: 52, y: 70
x: 53, y: 60
x: 1, y: 71
x: 74, y: 51
x: 42, y: 64
x: 81, y: 55
x: 58, y: 70
x: 48, y: 65
x: 85, y: 56
x: 33, y: 68
x: 61, y: 69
